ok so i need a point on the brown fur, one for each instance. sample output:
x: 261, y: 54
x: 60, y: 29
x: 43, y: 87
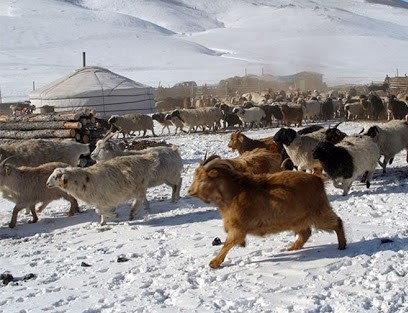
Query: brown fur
x: 292, y: 115
x: 242, y: 143
x: 265, y: 204
x: 257, y: 161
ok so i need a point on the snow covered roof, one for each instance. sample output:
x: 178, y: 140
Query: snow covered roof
x: 96, y: 87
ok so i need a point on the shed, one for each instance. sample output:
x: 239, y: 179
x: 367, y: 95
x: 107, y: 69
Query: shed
x: 97, y: 88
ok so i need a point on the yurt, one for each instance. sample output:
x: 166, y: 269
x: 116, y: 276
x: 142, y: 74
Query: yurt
x: 96, y: 88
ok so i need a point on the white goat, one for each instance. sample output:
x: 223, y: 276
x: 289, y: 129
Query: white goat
x: 26, y: 186
x: 34, y: 152
x: 193, y: 118
x: 300, y: 148
x: 132, y: 122
x: 391, y: 138
x: 252, y: 115
x: 168, y: 170
x: 108, y: 184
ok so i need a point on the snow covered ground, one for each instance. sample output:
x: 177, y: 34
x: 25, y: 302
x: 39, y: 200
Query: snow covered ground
x: 169, y: 247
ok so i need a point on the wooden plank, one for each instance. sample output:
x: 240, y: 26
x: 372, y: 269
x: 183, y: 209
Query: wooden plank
x: 40, y: 125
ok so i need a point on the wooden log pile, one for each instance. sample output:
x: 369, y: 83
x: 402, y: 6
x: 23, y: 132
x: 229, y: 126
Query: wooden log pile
x: 81, y: 125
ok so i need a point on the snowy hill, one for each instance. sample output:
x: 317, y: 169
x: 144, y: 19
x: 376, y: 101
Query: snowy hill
x: 170, y: 41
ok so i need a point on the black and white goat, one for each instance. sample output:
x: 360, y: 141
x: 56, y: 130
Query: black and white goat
x: 345, y: 161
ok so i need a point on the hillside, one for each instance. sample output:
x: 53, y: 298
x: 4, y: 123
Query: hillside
x: 164, y: 42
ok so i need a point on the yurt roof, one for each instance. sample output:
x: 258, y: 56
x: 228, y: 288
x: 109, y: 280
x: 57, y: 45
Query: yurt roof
x: 87, y: 81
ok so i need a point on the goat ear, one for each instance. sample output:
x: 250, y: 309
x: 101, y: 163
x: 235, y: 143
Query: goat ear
x: 212, y: 173
x: 240, y: 138
x: 63, y: 181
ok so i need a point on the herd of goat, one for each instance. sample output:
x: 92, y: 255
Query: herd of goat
x: 275, y: 184
x: 257, y: 110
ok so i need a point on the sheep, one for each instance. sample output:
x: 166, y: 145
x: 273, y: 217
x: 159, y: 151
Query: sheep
x: 311, y: 109
x: 277, y: 113
x: 257, y: 161
x: 345, y: 161
x: 265, y: 204
x: 251, y: 115
x: 34, y: 152
x: 160, y: 118
x: 211, y: 117
x: 331, y: 134
x: 132, y: 122
x: 230, y: 119
x: 292, y: 114
x: 26, y: 186
x: 397, y: 109
x: 255, y: 97
x: 238, y: 141
x: 374, y: 105
x: 299, y: 148
x: 269, y: 112
x: 327, y: 109
x: 192, y: 118
x: 168, y: 170
x: 106, y: 185
x: 354, y: 110
x: 391, y: 138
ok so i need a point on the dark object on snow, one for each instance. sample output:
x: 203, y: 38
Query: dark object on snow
x: 6, y: 278
x: 28, y: 277
x: 83, y: 264
x: 386, y: 240
x: 122, y: 259
x: 216, y: 241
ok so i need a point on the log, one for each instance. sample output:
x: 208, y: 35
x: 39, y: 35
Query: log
x: 39, y: 125
x: 48, y: 117
x: 39, y: 133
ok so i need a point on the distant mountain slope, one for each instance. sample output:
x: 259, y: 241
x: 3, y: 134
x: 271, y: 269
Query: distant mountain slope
x: 168, y: 41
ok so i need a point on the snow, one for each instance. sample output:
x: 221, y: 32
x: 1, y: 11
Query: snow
x: 168, y: 248
x: 165, y: 42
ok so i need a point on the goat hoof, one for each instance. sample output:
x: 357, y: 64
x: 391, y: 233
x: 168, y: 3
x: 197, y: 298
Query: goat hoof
x: 215, y: 264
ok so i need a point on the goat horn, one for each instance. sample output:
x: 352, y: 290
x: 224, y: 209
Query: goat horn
x: 109, y: 134
x: 205, y: 156
x: 361, y: 131
x: 6, y: 159
x: 337, y: 125
x: 217, y: 162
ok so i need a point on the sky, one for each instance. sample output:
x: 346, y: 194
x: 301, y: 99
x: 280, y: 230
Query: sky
x: 168, y: 248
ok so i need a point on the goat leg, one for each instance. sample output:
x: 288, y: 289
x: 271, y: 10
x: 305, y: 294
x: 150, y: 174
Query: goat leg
x: 13, y: 221
x: 303, y: 236
x: 34, y: 213
x: 234, y: 237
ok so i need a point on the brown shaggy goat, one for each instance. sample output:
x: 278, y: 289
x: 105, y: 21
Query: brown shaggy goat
x: 241, y: 143
x: 257, y: 161
x: 292, y: 114
x: 265, y: 204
